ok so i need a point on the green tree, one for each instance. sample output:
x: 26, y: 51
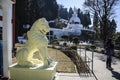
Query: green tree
x: 96, y: 25
x: 81, y: 16
x: 76, y: 40
x: 84, y: 18
x: 117, y: 41
x: 28, y: 11
x: 104, y: 9
x: 87, y: 20
x: 70, y: 12
x: 65, y: 37
x: 112, y: 29
x: 63, y: 13
x: 95, y: 20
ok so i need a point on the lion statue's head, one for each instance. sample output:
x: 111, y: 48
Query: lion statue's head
x: 41, y: 25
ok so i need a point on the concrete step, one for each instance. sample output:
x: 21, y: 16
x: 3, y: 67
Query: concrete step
x: 73, y: 76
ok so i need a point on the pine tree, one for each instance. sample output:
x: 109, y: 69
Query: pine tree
x: 82, y: 18
x: 28, y: 11
x: 87, y: 20
x: 79, y: 13
x: 112, y: 28
x: 63, y: 13
x: 96, y: 25
x: 70, y: 12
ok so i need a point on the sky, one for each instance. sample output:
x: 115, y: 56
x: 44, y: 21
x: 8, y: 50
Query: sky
x: 79, y: 4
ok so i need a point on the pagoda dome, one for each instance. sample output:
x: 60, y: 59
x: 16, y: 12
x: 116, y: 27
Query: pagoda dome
x: 74, y: 19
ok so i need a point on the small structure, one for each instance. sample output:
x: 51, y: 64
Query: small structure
x: 43, y: 69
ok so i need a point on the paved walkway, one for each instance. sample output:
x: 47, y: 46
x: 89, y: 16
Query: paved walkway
x: 100, y: 70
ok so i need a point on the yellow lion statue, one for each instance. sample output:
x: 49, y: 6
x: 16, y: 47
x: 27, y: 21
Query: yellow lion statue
x: 37, y: 41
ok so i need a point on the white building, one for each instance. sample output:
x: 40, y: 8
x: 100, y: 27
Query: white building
x: 74, y: 27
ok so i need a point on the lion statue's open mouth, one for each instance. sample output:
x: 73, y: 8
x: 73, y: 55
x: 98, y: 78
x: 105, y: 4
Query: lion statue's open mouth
x: 37, y: 41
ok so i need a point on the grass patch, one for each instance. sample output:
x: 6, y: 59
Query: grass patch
x: 65, y: 64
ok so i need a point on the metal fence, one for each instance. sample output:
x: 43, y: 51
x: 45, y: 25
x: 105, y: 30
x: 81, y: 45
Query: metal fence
x: 88, y: 60
x: 83, y: 63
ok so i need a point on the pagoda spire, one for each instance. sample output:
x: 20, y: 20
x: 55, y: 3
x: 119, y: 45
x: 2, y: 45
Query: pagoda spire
x: 75, y: 10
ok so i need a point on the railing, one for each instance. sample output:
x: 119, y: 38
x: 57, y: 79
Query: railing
x: 79, y: 57
x: 89, y: 60
x: 86, y: 59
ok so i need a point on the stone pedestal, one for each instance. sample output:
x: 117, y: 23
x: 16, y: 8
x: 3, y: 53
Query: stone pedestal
x: 37, y: 73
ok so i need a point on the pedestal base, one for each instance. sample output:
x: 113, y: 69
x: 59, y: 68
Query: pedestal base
x: 18, y: 73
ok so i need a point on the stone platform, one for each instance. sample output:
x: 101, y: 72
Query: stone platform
x: 37, y: 73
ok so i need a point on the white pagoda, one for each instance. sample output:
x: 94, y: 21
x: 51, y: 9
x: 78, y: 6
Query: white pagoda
x: 74, y: 27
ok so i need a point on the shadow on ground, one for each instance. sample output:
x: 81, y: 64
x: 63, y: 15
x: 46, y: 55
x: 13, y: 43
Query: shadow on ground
x: 116, y: 75
x: 103, y: 58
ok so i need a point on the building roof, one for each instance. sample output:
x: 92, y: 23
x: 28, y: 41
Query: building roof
x: 75, y: 18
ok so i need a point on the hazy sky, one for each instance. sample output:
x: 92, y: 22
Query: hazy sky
x: 71, y: 3
x: 79, y: 4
